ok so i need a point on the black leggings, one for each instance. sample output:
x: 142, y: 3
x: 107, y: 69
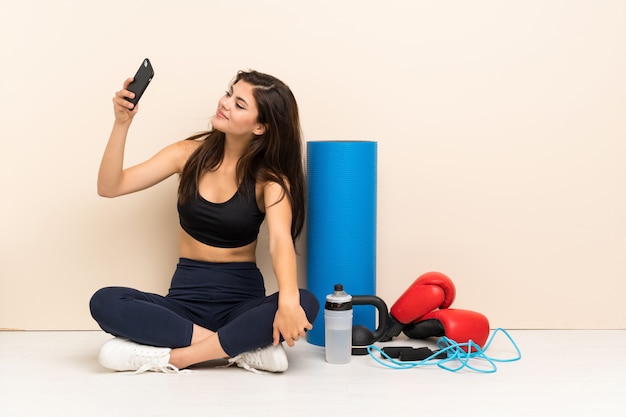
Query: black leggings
x: 228, y: 298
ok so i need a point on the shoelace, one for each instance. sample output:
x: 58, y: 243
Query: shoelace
x: 157, y: 367
x: 241, y: 362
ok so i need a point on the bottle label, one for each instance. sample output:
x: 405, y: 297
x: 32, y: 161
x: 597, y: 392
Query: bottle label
x: 338, y: 306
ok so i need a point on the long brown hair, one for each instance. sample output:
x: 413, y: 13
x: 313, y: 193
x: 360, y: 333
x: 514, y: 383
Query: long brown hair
x: 274, y: 156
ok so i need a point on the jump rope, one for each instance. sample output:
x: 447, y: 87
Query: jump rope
x: 451, y: 356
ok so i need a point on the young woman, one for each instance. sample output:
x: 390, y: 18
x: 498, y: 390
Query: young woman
x: 246, y: 169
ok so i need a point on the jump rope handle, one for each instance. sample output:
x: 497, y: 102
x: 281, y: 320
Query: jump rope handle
x: 361, y: 335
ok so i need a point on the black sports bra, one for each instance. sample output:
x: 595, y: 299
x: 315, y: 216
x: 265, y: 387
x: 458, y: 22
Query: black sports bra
x: 232, y: 224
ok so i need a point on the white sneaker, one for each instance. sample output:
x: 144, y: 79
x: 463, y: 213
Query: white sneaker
x: 123, y: 355
x: 270, y: 358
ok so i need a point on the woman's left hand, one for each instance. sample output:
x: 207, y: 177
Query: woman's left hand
x: 290, y: 322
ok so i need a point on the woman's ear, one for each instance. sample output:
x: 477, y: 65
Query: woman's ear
x: 260, y: 129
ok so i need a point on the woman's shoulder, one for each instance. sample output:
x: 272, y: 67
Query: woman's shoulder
x: 177, y: 153
x: 186, y: 147
x: 274, y: 189
x: 189, y: 145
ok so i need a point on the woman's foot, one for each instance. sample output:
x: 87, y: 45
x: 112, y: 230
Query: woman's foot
x: 123, y: 355
x: 270, y: 358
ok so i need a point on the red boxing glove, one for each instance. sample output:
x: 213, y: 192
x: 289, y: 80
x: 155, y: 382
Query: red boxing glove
x: 455, y: 324
x: 430, y: 291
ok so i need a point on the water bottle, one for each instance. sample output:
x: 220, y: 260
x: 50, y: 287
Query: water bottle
x: 338, y: 326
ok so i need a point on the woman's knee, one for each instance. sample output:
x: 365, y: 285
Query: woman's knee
x: 310, y: 304
x: 102, y: 301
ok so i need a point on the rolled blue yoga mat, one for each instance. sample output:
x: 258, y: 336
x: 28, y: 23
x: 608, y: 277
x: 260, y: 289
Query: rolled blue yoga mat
x: 341, y: 225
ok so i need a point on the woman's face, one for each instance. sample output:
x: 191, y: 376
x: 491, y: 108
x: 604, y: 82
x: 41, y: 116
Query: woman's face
x: 237, y: 113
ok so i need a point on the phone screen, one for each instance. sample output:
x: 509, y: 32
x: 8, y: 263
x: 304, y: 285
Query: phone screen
x: 142, y: 79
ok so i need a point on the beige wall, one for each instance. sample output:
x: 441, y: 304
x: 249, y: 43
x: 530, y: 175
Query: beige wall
x: 501, y: 130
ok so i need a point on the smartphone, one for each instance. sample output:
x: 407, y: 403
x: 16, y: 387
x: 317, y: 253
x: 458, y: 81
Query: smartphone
x: 142, y: 79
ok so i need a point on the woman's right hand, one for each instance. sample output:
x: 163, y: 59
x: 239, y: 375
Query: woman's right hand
x: 124, y: 110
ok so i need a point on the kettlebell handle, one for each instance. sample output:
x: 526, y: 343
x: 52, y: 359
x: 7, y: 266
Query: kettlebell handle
x: 383, y: 312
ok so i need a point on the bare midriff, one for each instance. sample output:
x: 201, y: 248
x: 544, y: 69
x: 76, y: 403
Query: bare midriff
x: 190, y: 248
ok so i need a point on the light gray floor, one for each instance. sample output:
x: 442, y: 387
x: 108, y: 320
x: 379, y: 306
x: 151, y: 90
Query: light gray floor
x: 561, y: 373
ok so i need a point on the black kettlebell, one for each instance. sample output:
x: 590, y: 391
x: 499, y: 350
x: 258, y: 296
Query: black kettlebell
x: 361, y: 335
